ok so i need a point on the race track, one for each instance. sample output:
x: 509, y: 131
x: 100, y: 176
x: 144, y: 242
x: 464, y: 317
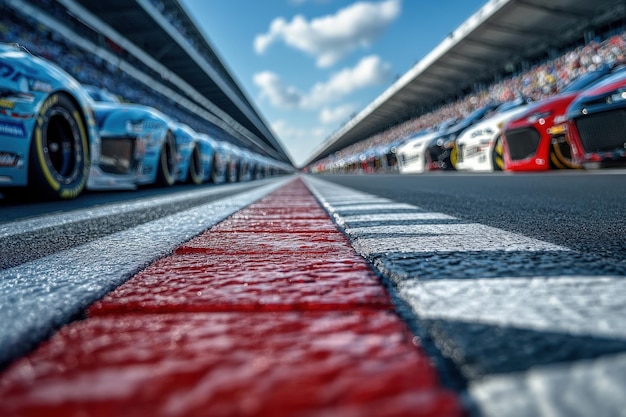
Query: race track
x: 512, y: 284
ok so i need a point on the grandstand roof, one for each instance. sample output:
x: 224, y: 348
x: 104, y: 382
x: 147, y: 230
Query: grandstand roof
x: 140, y: 23
x: 502, y: 34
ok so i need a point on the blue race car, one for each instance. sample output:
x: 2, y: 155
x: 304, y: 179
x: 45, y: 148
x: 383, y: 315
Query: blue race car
x: 222, y: 165
x: 138, y: 144
x: 48, y: 140
x: 249, y: 165
x: 195, y: 155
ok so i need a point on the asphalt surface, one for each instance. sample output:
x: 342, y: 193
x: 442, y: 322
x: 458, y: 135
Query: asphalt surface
x: 579, y: 209
x: 94, y: 215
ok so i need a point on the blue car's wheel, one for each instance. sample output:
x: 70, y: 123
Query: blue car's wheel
x: 195, y: 175
x: 59, y: 153
x: 166, y: 169
x: 216, y: 175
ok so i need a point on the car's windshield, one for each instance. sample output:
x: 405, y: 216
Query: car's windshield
x: 584, y: 81
x: 100, y: 95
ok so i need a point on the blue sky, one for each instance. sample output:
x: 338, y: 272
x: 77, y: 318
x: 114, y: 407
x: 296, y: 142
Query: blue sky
x: 308, y: 65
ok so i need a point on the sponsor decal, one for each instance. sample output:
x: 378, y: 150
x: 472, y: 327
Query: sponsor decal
x: 15, y: 115
x: 472, y: 151
x: 23, y: 74
x: 38, y: 85
x: 12, y: 129
x: 8, y: 159
x: 7, y: 104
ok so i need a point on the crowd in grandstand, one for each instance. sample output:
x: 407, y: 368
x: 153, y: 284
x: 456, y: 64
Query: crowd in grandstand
x: 542, y: 80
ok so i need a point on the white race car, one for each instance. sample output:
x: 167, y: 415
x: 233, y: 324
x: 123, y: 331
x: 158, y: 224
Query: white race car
x: 479, y: 148
x: 48, y: 137
x: 412, y: 153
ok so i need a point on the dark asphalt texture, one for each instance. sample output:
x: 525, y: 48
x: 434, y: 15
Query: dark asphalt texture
x: 584, y: 211
x: 15, y: 250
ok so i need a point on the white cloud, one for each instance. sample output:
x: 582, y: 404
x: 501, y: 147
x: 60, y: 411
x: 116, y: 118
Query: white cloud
x: 279, y: 95
x: 368, y: 72
x: 300, y: 142
x: 336, y: 115
x: 330, y: 38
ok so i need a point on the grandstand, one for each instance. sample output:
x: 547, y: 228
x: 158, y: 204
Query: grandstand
x: 508, y: 47
x: 542, y: 80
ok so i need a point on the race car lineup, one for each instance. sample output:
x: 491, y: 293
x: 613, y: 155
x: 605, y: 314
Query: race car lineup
x: 581, y: 127
x: 58, y: 138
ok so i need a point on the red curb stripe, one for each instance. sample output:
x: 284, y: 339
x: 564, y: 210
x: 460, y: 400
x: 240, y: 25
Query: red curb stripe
x: 269, y: 243
x: 251, y: 283
x: 229, y: 364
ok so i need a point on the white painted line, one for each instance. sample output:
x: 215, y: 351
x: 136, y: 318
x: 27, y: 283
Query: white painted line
x: 38, y: 295
x: 576, y: 305
x: 477, y: 238
x: 579, y: 389
x: 383, y: 217
x: 54, y: 220
x: 362, y: 199
x: 365, y: 207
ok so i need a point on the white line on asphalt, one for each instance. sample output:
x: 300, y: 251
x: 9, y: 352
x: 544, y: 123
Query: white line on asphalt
x: 443, y: 238
x: 580, y: 389
x: 366, y: 207
x: 383, y: 217
x: 339, y: 202
x: 74, y: 216
x: 576, y: 305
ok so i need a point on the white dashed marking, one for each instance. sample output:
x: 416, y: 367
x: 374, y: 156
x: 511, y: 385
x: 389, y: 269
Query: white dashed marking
x: 566, y: 304
x: 582, y: 389
x: 383, y: 217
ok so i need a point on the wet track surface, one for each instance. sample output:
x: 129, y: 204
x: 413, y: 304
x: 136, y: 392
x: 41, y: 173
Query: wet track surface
x: 513, y: 284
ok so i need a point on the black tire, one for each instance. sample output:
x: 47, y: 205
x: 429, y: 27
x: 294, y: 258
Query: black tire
x: 214, y: 171
x: 233, y: 173
x: 166, y: 170
x: 194, y: 176
x: 59, y: 150
x: 497, y: 155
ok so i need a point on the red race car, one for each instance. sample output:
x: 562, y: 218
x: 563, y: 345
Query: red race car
x: 595, y: 124
x: 527, y: 139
